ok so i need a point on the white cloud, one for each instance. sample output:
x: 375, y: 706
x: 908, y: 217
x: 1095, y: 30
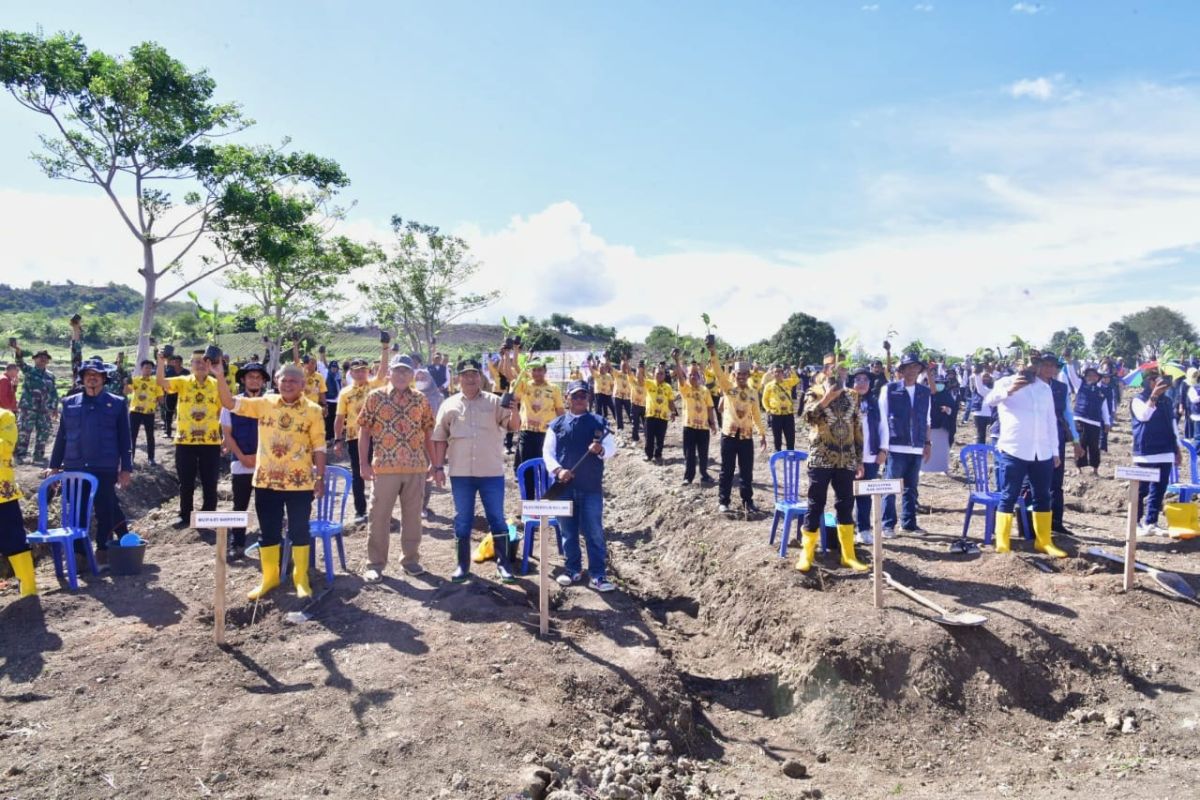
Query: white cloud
x: 1026, y: 8
x: 923, y: 7
x: 1036, y: 88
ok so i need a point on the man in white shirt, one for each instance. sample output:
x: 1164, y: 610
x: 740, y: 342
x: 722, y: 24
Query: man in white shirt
x: 576, y: 447
x: 1028, y: 447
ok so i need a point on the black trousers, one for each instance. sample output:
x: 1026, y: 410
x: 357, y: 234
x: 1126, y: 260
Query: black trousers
x: 739, y: 452
x: 138, y: 422
x: 243, y: 490
x: 357, y: 484
x: 331, y: 408
x: 656, y: 435
x: 529, y: 446
x: 12, y: 529
x: 1056, y: 488
x: 637, y: 415
x: 604, y: 405
x: 981, y: 429
x: 110, y: 519
x: 783, y: 427
x: 622, y: 409
x: 1089, y: 440
x: 168, y: 412
x: 194, y: 461
x: 270, y: 505
x: 695, y: 452
x: 819, y: 481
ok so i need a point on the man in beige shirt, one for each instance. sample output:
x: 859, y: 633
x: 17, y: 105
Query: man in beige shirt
x: 469, y: 436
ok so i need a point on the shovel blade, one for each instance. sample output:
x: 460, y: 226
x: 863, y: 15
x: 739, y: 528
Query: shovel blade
x: 1175, y: 584
x: 963, y: 619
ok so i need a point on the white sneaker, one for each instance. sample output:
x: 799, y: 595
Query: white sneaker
x: 566, y: 580
x: 889, y: 533
x: 1144, y: 530
x: 1159, y: 530
x: 863, y: 537
x: 372, y: 576
x: 723, y: 508
x: 602, y: 585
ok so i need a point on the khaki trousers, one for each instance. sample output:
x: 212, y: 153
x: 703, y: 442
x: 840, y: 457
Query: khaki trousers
x: 410, y: 489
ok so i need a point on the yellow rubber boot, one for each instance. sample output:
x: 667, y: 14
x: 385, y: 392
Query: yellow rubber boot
x: 846, y: 540
x: 300, y: 570
x: 1042, y: 541
x: 22, y: 565
x: 808, y: 554
x: 269, y: 558
x: 1004, y: 522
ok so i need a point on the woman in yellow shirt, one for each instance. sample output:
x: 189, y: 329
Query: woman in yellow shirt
x: 289, y: 472
x: 13, y: 543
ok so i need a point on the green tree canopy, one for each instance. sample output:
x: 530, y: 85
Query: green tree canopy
x: 1117, y: 341
x: 1156, y: 327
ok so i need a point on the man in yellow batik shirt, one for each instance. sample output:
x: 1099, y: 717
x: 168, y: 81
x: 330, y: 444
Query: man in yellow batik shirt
x: 699, y: 420
x: 637, y: 395
x: 740, y: 420
x: 540, y: 403
x: 13, y: 544
x: 289, y: 472
x: 660, y: 409
x: 145, y: 396
x: 621, y: 408
x: 781, y: 409
x: 604, y: 390
x: 345, y: 422
x: 198, y: 434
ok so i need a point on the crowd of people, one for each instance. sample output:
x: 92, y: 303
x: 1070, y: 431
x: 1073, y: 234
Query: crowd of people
x: 406, y: 427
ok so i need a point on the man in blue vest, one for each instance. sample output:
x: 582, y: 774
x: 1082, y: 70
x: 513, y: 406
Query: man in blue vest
x: 874, y: 432
x: 1092, y: 419
x: 1048, y: 369
x: 904, y: 409
x: 241, y: 440
x: 568, y: 439
x: 93, y: 437
x: 1155, y: 446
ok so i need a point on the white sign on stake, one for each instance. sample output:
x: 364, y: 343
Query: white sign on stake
x: 220, y: 519
x: 547, y: 508
x: 1137, y: 474
x: 894, y: 486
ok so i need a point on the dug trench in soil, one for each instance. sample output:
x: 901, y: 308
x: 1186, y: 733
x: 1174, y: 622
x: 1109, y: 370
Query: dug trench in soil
x: 715, y: 667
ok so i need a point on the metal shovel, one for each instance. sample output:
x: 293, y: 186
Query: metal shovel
x: 1171, y: 581
x: 961, y: 619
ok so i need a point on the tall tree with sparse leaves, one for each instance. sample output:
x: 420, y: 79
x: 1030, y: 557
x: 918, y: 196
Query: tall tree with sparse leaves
x: 142, y: 128
x: 421, y: 288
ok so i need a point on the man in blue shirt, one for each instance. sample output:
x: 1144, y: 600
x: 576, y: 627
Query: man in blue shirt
x: 93, y: 437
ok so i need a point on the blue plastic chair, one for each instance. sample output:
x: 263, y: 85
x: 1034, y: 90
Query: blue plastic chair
x: 76, y: 520
x: 980, y: 463
x: 541, y: 482
x: 786, y: 468
x: 1186, y: 489
x: 323, y: 526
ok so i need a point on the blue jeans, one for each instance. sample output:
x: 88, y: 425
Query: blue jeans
x: 1013, y: 472
x: 588, y: 516
x: 907, y: 467
x: 863, y: 504
x: 491, y: 495
x: 1150, y: 495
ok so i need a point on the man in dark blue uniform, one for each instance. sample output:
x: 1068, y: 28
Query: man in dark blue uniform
x: 93, y: 437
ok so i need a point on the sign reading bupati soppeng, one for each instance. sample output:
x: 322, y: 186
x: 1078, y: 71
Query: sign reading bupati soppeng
x: 1137, y: 474
x: 547, y: 508
x: 878, y: 487
x: 220, y: 519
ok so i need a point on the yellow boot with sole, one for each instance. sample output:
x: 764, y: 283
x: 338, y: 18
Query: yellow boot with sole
x: 846, y: 540
x: 1004, y: 523
x: 300, y: 570
x: 269, y: 558
x: 808, y: 544
x: 22, y: 566
x: 1042, y: 539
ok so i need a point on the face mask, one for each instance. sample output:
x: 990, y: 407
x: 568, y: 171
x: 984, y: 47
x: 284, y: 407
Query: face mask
x: 423, y: 385
x: 940, y: 386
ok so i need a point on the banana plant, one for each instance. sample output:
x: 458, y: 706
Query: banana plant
x: 211, y: 318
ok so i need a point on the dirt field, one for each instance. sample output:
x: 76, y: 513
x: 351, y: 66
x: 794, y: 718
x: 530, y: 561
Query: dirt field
x: 714, y: 672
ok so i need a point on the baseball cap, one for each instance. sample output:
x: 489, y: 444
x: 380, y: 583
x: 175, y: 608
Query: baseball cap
x: 401, y: 361
x: 576, y: 386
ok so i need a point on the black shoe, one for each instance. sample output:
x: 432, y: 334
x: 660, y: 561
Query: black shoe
x: 1060, y: 528
x: 234, y: 553
x: 658, y: 462
x: 750, y: 508
x: 706, y: 481
x: 686, y: 482
x: 462, y: 552
x: 181, y: 523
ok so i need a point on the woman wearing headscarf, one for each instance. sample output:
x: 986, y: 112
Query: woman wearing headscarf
x: 423, y: 382
x: 943, y: 420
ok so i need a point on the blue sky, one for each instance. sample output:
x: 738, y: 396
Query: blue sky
x: 780, y: 145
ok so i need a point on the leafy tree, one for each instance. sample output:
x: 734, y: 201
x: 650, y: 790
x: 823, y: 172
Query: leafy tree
x: 246, y: 320
x: 619, y: 349
x: 1070, y: 341
x: 1156, y: 326
x: 1117, y: 341
x: 560, y: 322
x: 135, y: 125
x: 421, y: 287
x: 802, y: 338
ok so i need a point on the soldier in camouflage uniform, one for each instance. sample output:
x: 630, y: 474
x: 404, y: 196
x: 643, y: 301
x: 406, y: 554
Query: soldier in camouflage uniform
x: 37, y: 407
